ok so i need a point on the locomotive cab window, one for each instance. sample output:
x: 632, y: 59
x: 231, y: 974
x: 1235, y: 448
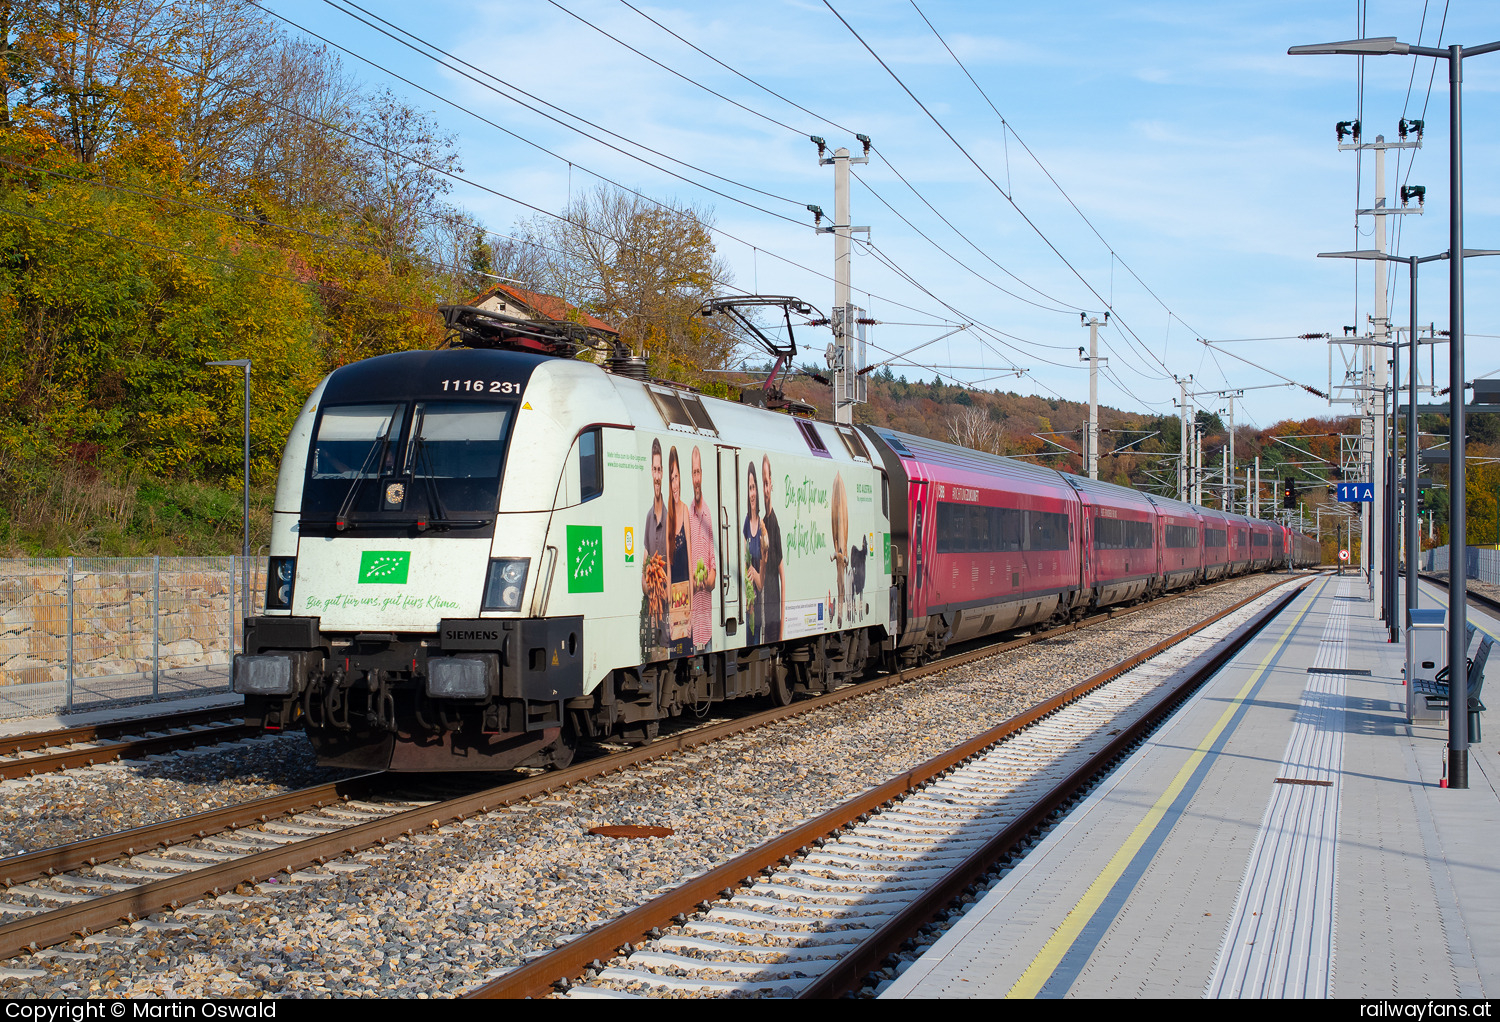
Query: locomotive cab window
x: 357, y: 441
x: 590, y: 465
x: 459, y: 446
x: 433, y: 461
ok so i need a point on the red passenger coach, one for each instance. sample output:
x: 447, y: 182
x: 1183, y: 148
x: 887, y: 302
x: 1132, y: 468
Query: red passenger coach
x: 1120, y: 541
x: 992, y: 540
x: 1180, y: 540
x: 1260, y: 543
x: 1216, y: 538
x: 983, y: 544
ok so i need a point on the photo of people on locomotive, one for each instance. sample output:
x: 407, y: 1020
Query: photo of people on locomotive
x: 458, y: 582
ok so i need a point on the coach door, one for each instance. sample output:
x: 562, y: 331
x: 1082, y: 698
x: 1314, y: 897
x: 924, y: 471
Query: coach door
x: 731, y: 540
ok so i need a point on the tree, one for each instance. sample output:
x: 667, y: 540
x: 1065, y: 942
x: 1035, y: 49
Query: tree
x: 644, y: 266
x: 88, y: 57
x: 404, y: 174
x: 299, y: 155
x: 972, y: 427
x: 224, y: 58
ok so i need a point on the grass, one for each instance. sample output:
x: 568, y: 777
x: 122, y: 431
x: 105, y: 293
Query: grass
x: 79, y: 510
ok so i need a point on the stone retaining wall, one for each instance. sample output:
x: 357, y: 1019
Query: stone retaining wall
x: 130, y: 614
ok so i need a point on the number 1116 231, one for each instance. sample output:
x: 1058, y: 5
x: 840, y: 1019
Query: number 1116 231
x: 482, y: 386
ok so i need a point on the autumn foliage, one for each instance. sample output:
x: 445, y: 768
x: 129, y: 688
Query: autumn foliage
x: 181, y: 181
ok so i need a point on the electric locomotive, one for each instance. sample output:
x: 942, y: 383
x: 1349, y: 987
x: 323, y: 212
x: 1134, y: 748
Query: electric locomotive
x: 482, y: 553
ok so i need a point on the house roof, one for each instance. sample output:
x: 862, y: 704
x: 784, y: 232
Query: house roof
x: 543, y: 306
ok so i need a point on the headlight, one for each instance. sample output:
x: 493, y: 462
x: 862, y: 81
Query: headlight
x: 279, y: 579
x: 506, y: 583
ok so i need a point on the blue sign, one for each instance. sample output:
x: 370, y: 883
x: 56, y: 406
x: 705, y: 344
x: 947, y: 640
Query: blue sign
x: 1351, y: 493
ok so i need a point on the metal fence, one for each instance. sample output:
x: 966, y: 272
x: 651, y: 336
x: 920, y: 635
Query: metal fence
x: 1483, y: 563
x: 76, y: 631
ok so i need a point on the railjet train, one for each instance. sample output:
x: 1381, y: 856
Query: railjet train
x: 482, y: 554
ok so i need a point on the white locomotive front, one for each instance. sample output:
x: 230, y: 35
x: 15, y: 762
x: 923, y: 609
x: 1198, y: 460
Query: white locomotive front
x: 479, y: 556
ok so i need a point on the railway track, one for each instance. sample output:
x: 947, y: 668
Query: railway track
x: 1476, y: 598
x: 55, y: 894
x: 812, y: 911
x: 67, y: 748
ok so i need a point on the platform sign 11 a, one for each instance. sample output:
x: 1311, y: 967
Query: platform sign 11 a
x: 1353, y: 493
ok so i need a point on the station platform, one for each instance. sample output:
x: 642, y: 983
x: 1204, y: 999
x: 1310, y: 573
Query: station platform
x: 1284, y: 835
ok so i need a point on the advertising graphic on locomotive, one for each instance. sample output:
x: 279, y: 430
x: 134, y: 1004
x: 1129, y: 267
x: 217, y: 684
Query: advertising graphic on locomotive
x: 481, y: 555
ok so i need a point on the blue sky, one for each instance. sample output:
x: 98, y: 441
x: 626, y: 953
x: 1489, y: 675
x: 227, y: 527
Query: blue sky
x: 1201, y: 154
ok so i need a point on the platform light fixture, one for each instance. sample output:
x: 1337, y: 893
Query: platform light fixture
x: 1458, y: 722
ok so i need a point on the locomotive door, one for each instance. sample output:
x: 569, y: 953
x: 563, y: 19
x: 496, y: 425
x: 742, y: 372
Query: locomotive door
x: 731, y: 554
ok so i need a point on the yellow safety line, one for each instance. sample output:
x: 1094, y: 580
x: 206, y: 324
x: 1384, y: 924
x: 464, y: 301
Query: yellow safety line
x: 1035, y: 977
x: 1482, y: 628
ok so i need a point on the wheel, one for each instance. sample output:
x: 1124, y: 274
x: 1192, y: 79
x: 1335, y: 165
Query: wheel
x: 781, y: 689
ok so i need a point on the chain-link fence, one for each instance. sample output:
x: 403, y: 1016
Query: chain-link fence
x: 76, y: 631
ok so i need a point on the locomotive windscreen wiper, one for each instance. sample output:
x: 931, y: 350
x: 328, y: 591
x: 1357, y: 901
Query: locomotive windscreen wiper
x: 437, y: 511
x: 377, y: 457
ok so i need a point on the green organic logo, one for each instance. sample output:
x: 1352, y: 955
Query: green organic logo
x: 387, y: 567
x: 585, y: 559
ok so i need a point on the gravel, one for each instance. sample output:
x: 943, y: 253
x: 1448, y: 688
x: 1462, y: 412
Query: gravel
x: 50, y: 809
x: 441, y: 912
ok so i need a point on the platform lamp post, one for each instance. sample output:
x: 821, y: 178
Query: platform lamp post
x: 1458, y: 717
x: 1413, y: 544
x: 243, y: 364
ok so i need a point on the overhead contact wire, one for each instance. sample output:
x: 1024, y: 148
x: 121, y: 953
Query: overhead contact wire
x: 986, y: 175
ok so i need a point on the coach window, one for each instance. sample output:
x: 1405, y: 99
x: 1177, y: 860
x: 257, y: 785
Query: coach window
x: 590, y: 465
x: 1181, y: 536
x: 1049, y: 530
